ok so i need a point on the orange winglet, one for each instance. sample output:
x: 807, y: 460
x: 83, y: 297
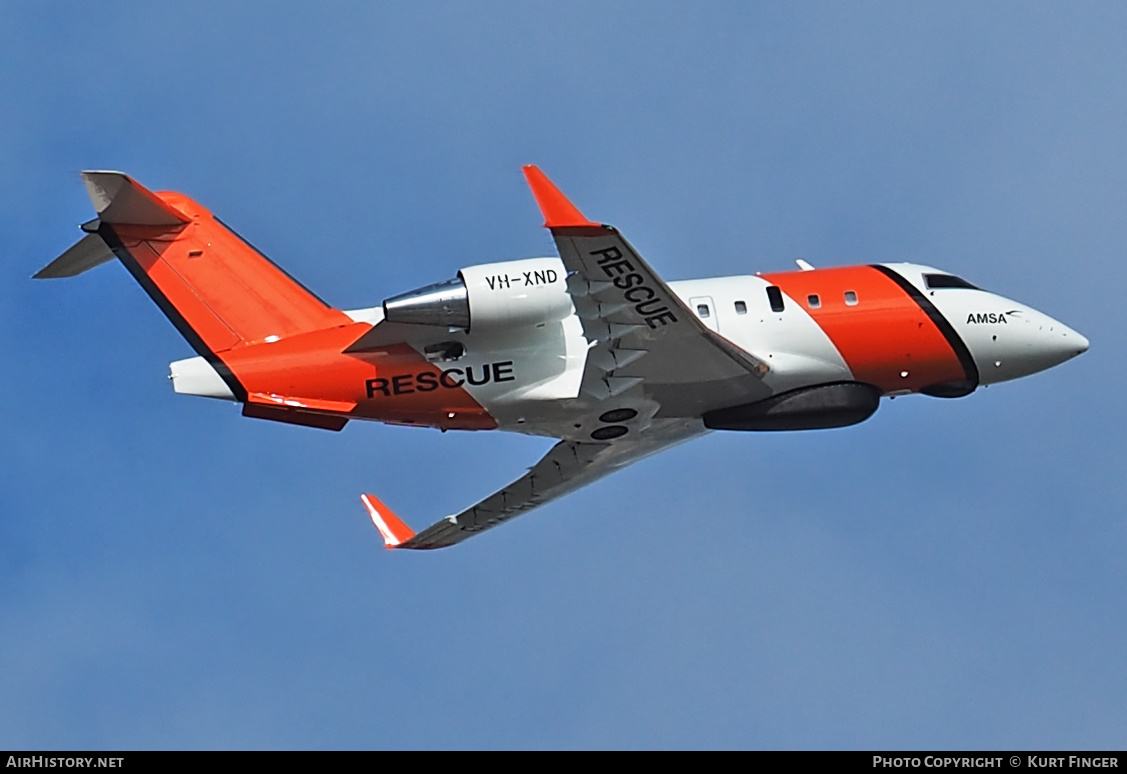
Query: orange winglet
x: 393, y: 530
x: 558, y: 211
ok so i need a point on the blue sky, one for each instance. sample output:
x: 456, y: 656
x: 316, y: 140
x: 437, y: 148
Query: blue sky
x: 949, y: 574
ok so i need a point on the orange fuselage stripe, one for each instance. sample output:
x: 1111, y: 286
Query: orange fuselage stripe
x: 885, y: 335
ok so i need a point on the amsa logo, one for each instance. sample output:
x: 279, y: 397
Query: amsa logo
x: 991, y: 318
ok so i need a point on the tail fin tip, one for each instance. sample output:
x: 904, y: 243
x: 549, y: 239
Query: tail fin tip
x: 119, y: 199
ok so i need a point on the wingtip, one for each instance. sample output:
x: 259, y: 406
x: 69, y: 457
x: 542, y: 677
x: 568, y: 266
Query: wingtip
x: 391, y: 528
x: 557, y: 209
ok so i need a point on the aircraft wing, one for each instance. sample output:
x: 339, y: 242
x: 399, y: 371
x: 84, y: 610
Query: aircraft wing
x: 569, y: 465
x: 646, y: 336
x: 653, y: 368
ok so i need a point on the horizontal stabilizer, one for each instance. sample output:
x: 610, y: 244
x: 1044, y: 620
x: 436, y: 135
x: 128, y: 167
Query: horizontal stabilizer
x: 88, y: 252
x: 121, y: 200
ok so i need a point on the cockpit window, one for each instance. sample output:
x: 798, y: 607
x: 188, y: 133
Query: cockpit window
x: 775, y: 296
x: 934, y: 281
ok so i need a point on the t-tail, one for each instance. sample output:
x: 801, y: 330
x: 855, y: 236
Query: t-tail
x: 219, y: 291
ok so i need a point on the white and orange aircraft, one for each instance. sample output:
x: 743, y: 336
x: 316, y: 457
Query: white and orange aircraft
x: 592, y: 347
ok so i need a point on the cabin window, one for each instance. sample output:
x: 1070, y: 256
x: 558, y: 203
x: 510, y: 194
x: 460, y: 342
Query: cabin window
x: 934, y: 281
x: 813, y: 301
x: 703, y: 312
x: 741, y: 307
x: 775, y: 296
x: 850, y: 298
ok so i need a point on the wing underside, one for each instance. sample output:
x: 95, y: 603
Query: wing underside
x: 568, y: 466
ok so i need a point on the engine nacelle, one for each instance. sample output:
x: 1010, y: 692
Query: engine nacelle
x: 492, y: 296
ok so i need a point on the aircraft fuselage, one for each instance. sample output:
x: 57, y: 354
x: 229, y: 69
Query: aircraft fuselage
x: 592, y: 347
x: 902, y: 328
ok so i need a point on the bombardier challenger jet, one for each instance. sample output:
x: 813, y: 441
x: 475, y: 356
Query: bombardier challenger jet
x: 592, y: 347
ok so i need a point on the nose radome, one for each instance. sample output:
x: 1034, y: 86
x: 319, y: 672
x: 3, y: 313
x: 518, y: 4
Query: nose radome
x: 1014, y: 343
x: 1071, y: 341
x: 1035, y: 343
x: 1061, y: 343
x: 1081, y: 344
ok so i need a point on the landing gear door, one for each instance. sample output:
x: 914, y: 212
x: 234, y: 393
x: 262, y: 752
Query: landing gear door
x: 705, y: 309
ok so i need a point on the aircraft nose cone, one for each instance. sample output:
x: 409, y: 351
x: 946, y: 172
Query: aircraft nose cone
x: 1059, y: 343
x: 1081, y: 344
x: 1031, y: 342
x: 1070, y: 342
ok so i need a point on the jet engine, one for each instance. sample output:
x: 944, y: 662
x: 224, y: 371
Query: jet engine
x: 492, y: 296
